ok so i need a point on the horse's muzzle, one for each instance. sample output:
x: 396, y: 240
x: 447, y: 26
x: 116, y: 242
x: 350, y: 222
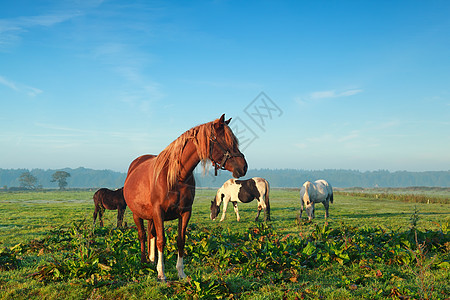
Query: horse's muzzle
x: 239, y: 169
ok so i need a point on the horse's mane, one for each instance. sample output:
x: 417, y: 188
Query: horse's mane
x: 170, y: 157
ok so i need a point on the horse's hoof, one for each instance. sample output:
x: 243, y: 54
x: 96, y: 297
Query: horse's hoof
x: 162, y: 279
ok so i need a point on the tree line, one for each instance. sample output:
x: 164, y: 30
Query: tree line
x: 294, y: 178
x: 30, y: 182
x: 62, y: 178
x: 286, y: 178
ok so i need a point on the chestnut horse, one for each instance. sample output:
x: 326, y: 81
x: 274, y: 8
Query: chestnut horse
x: 160, y: 188
x: 112, y: 200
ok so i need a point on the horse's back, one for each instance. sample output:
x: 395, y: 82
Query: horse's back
x: 323, y: 188
x: 110, y: 199
x: 138, y: 161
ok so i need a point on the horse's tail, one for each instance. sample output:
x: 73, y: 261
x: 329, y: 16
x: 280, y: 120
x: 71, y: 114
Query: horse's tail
x: 267, y: 200
x: 331, y: 197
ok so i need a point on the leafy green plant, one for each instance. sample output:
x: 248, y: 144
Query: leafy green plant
x: 8, y: 258
x: 414, y: 219
x: 421, y: 270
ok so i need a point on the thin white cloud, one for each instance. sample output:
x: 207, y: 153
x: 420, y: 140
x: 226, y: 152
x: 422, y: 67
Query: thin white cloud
x: 355, y: 134
x: 334, y: 94
x: 330, y: 94
x: 8, y: 83
x: 388, y: 124
x: 300, y: 145
x: 129, y: 62
x: 225, y: 84
x: 322, y: 95
x: 19, y: 87
x: 11, y: 29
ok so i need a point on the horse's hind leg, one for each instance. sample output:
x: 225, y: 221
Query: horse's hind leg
x: 101, y: 211
x: 257, y: 214
x: 151, y: 241
x: 95, y: 213
x: 158, y: 221
x: 267, y: 211
x: 141, y: 234
x: 326, y: 204
x: 120, y: 213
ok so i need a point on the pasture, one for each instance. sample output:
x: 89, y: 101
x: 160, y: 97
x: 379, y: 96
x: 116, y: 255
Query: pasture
x: 371, y: 247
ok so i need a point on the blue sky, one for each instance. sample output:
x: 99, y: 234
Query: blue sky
x: 361, y: 85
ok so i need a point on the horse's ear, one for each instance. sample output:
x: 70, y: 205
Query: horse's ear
x: 228, y: 121
x: 218, y: 124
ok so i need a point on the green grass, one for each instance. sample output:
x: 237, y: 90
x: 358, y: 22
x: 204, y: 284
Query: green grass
x: 366, y: 250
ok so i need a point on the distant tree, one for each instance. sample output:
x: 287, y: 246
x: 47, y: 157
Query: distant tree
x: 27, y: 180
x: 61, y: 178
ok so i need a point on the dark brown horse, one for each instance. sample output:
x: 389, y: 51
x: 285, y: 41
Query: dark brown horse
x: 163, y: 188
x: 112, y: 200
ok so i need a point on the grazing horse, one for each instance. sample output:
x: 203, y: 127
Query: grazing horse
x: 161, y: 188
x: 112, y: 200
x: 243, y: 191
x: 315, y: 192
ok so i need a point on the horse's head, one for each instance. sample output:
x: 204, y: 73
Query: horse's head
x: 215, y: 206
x: 224, y: 149
x: 215, y: 210
x: 307, y: 201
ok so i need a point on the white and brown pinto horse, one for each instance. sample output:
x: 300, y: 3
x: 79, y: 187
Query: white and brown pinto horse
x: 315, y: 192
x: 243, y: 191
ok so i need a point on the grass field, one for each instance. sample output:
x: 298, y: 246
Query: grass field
x: 370, y: 248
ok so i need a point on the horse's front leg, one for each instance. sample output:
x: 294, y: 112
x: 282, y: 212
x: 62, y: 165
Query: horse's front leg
x: 301, y: 208
x: 181, y: 240
x: 141, y: 234
x: 158, y: 222
x: 225, y: 205
x: 236, y: 211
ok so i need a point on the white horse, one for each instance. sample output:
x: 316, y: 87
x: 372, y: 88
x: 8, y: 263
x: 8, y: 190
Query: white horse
x: 315, y: 192
x: 243, y: 191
